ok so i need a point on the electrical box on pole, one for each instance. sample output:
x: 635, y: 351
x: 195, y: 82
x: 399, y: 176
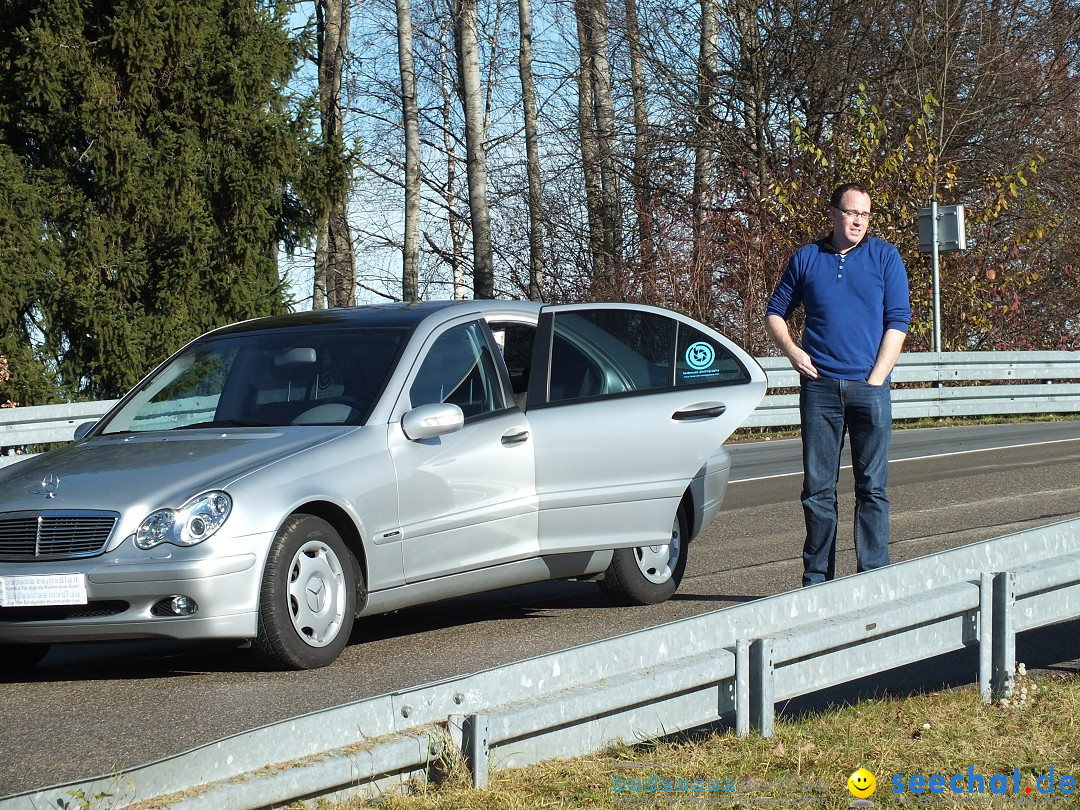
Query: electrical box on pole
x: 941, y: 230
x: 951, y: 230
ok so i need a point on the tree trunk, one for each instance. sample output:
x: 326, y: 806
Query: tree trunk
x: 752, y: 89
x: 595, y: 44
x: 701, y: 266
x: 410, y: 116
x: 472, y: 102
x: 642, y: 192
x: 318, y: 290
x: 532, y: 154
x: 454, y: 220
x: 335, y: 265
x: 590, y: 152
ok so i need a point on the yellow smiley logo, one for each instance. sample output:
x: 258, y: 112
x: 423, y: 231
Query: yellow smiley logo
x: 861, y: 784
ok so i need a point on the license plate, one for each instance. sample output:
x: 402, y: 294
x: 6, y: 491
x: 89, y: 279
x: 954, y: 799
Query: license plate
x: 41, y: 590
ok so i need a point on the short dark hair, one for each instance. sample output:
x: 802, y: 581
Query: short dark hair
x: 840, y: 191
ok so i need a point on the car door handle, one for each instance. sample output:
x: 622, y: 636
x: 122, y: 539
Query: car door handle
x: 515, y: 436
x: 699, y: 411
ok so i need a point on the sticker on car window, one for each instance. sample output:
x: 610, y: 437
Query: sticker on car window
x: 700, y: 357
x: 701, y: 360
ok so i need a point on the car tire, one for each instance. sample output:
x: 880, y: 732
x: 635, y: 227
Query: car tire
x: 16, y: 658
x: 307, y: 603
x: 649, y: 575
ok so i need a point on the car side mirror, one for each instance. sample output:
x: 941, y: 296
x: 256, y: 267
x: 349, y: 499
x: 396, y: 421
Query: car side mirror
x: 83, y: 429
x: 429, y: 421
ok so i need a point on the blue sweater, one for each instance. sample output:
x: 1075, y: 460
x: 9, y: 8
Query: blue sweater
x: 849, y: 300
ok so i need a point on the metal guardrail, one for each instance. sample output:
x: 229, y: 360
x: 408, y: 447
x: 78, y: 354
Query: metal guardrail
x: 1057, y: 391
x: 38, y: 424
x: 1055, y: 387
x: 730, y: 665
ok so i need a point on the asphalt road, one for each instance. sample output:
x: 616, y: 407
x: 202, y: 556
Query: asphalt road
x: 94, y: 709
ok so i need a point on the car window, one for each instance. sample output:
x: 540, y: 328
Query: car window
x: 188, y: 392
x: 516, y: 340
x: 701, y: 360
x: 272, y: 378
x: 299, y: 373
x: 609, y: 351
x: 459, y: 368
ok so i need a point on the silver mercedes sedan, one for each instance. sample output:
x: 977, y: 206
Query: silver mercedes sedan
x: 278, y: 478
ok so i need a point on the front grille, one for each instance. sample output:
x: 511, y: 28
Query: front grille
x: 56, y: 613
x: 54, y: 534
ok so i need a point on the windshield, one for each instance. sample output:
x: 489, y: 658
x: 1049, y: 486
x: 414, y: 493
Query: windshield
x: 266, y: 379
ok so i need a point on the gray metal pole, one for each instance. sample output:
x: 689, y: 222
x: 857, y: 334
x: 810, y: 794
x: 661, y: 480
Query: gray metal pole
x: 936, y: 283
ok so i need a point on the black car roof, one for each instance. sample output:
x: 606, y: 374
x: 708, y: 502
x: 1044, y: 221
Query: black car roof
x: 398, y: 314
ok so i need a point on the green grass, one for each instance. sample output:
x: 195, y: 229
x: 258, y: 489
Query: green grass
x: 809, y: 758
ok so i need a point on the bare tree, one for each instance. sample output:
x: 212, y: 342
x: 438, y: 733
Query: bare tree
x: 335, y: 264
x: 597, y: 121
x: 590, y: 149
x: 472, y: 102
x: 724, y: 138
x: 532, y: 153
x: 701, y: 265
x: 410, y: 116
x: 455, y: 257
x: 643, y: 201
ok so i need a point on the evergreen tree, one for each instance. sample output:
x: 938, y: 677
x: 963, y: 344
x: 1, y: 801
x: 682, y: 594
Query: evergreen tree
x: 149, y: 157
x: 24, y: 253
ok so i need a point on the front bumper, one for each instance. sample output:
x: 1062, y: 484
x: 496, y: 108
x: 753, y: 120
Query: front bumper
x: 122, y: 592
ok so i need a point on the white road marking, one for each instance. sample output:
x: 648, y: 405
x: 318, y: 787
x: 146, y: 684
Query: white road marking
x: 918, y: 458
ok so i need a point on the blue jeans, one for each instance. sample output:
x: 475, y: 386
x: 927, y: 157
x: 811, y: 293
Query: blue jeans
x: 827, y: 407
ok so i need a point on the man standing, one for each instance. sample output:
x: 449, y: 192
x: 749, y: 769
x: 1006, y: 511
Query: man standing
x: 854, y: 290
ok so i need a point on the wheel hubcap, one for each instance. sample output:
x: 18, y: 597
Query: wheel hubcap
x: 658, y: 563
x: 317, y: 595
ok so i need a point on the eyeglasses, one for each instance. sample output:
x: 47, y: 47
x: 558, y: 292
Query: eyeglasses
x: 850, y: 213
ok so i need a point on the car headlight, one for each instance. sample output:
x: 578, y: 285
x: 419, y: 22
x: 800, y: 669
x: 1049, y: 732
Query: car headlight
x: 192, y: 523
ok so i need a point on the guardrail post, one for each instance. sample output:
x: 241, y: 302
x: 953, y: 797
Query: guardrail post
x: 1004, y: 644
x: 455, y: 727
x: 986, y: 635
x: 762, y: 704
x: 475, y: 748
x: 742, y: 687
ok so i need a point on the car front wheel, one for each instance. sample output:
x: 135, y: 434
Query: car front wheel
x: 648, y: 575
x: 308, y: 599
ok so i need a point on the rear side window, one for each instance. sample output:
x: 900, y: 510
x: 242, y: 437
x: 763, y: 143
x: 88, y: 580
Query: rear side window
x: 700, y: 360
x: 597, y: 353
x: 609, y: 351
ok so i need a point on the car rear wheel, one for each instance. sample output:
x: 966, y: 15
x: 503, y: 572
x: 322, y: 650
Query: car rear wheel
x: 15, y: 658
x: 648, y: 575
x: 308, y: 599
